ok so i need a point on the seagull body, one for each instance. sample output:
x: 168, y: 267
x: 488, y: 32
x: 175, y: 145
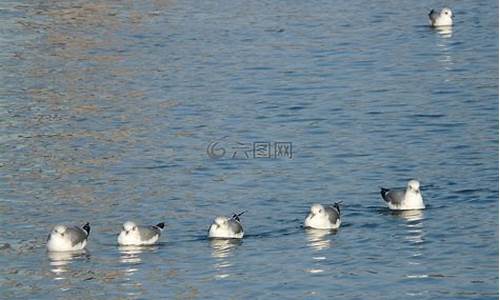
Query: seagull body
x: 323, y: 217
x: 68, y: 238
x: 404, y: 199
x: 443, y: 18
x: 227, y: 228
x: 135, y: 235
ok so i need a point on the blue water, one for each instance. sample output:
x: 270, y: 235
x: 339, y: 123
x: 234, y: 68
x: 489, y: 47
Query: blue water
x: 107, y: 110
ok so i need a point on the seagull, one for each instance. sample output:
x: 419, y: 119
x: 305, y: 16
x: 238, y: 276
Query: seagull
x: 227, y: 228
x: 323, y: 217
x: 134, y: 235
x: 443, y: 18
x: 68, y: 238
x: 404, y: 199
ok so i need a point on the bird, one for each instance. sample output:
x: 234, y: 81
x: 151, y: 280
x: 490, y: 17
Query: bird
x: 443, y: 18
x: 68, y: 238
x: 404, y: 199
x: 135, y: 235
x: 227, y: 228
x: 323, y: 217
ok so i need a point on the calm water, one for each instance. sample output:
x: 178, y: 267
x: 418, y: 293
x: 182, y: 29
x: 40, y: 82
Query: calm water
x: 107, y: 109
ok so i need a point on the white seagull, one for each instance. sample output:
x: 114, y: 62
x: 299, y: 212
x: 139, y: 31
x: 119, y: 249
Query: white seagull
x: 323, y: 217
x: 443, y: 18
x: 227, y: 228
x: 404, y: 199
x: 135, y: 235
x: 68, y: 238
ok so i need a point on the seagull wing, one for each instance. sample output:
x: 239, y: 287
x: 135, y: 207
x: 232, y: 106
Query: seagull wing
x: 235, y: 226
x: 76, y: 234
x: 148, y: 232
x: 333, y: 213
x: 433, y: 15
x: 393, y: 196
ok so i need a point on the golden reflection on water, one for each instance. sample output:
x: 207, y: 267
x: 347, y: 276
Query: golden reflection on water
x: 78, y: 47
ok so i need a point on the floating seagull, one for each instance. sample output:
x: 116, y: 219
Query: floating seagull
x: 227, y: 228
x: 404, y: 199
x: 134, y: 235
x: 323, y: 217
x: 68, y: 238
x: 443, y: 18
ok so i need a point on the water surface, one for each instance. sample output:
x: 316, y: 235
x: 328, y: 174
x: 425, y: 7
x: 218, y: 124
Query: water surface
x: 107, y: 109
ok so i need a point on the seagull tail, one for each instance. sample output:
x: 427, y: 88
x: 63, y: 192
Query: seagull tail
x: 86, y: 227
x: 337, y: 205
x: 237, y: 216
x: 241, y: 213
x: 383, y: 191
x: 160, y: 225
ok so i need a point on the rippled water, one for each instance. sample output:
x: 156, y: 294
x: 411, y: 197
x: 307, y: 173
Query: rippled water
x: 107, y: 109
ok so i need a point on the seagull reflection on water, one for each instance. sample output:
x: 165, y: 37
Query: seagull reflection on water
x: 409, y: 215
x: 445, y: 58
x: 221, y: 250
x: 444, y: 31
x: 414, y: 231
x: 414, y: 237
x: 318, y: 238
x: 131, y: 254
x: 59, y: 261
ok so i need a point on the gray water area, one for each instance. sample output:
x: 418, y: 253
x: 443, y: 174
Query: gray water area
x: 108, y: 108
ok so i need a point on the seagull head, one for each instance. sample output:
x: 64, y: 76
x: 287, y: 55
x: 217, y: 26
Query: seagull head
x: 219, y: 221
x: 447, y: 12
x: 60, y: 229
x: 129, y: 227
x: 414, y: 185
x: 317, y: 209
